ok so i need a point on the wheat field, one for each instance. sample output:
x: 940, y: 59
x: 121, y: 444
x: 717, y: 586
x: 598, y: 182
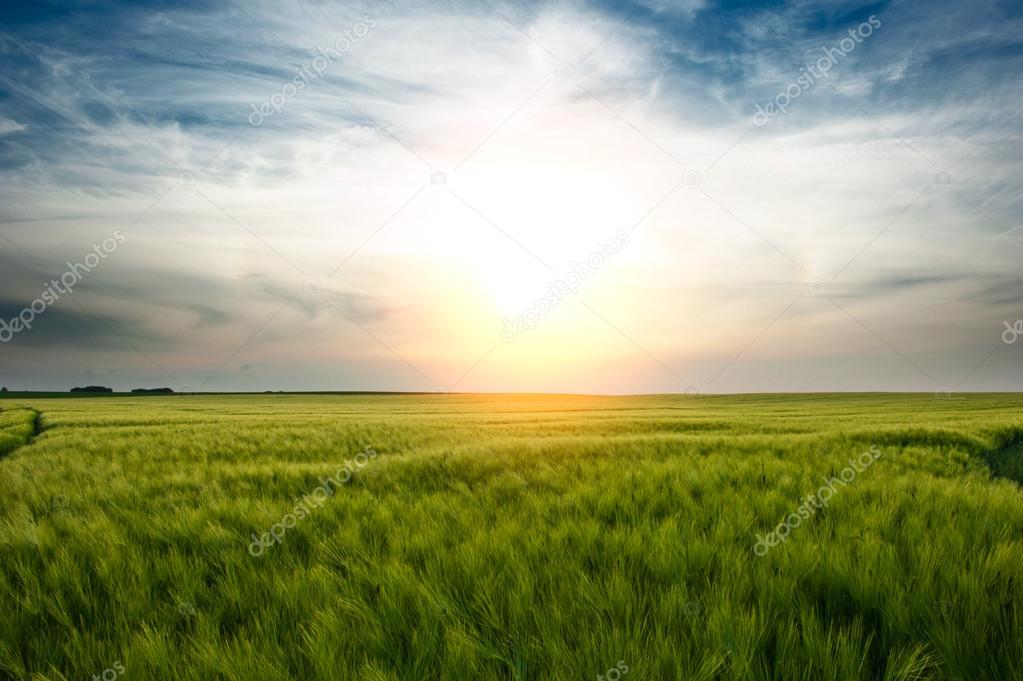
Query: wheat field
x: 512, y: 537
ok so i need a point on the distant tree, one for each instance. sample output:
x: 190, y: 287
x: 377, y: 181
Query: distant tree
x: 3, y: 390
x: 153, y: 391
x: 93, y: 389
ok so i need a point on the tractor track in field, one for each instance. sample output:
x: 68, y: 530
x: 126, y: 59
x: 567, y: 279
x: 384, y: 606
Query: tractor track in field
x: 37, y: 424
x: 36, y: 430
x: 1006, y: 460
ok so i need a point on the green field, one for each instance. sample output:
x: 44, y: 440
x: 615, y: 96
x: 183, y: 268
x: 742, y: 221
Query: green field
x: 511, y: 537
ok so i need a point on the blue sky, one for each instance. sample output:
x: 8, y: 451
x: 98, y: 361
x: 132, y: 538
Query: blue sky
x: 378, y: 227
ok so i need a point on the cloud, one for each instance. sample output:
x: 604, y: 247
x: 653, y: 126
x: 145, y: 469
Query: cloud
x: 556, y: 123
x: 7, y: 125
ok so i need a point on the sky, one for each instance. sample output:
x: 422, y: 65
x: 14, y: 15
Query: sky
x: 644, y: 196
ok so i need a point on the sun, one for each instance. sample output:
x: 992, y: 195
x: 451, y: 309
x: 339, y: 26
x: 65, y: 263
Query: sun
x: 510, y: 285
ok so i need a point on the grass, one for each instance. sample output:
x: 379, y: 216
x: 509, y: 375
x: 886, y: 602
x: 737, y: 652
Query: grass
x: 511, y: 537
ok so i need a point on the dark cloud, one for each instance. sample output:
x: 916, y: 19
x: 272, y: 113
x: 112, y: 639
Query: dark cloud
x: 133, y: 307
x: 70, y: 325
